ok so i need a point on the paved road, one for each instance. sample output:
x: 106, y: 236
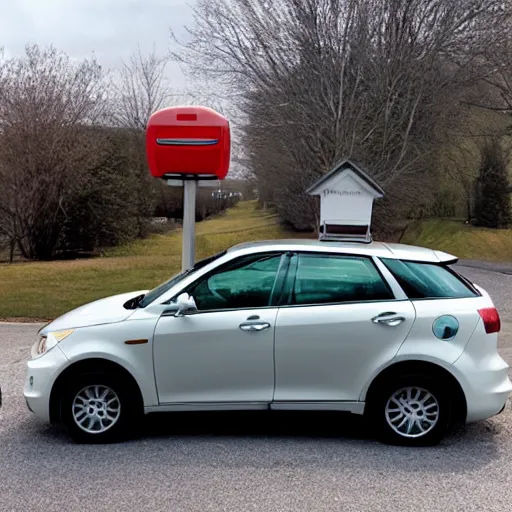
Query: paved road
x: 249, y: 462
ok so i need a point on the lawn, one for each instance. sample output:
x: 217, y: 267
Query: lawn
x: 462, y: 240
x: 46, y: 290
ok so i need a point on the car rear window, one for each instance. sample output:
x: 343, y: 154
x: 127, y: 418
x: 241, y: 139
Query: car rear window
x: 428, y: 280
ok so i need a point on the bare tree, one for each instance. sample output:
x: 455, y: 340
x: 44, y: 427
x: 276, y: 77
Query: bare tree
x: 378, y: 80
x: 142, y: 89
x: 47, y: 103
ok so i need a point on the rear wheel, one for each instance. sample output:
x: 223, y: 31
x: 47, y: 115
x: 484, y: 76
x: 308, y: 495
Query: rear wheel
x: 100, y: 408
x: 412, y: 410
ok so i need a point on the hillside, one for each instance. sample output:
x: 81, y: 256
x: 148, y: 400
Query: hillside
x: 44, y: 290
x: 462, y: 240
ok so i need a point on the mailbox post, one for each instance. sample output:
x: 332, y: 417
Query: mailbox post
x: 188, y: 253
x: 184, y: 146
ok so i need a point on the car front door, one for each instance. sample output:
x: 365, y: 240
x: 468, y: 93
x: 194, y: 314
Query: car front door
x: 342, y: 323
x: 224, y: 352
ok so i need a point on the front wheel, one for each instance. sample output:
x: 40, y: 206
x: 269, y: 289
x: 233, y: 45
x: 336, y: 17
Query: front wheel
x: 412, y: 411
x: 99, y: 408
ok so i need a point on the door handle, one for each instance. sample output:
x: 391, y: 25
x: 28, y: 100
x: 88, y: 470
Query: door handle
x: 254, y: 326
x: 391, y: 319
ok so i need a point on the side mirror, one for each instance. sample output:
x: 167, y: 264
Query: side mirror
x: 186, y: 305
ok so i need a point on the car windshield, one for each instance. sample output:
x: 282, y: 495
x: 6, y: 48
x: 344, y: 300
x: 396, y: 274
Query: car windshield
x: 164, y: 287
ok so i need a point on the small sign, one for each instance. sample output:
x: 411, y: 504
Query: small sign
x: 346, y: 203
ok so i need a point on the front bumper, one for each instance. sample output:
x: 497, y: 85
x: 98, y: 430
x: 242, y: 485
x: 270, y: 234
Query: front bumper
x: 41, y: 375
x: 486, y: 385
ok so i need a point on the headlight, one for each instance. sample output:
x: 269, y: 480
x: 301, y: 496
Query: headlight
x: 50, y: 340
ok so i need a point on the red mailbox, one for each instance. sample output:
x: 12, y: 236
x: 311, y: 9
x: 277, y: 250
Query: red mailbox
x: 188, y: 142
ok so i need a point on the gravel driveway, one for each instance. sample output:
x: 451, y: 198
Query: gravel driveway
x: 245, y: 462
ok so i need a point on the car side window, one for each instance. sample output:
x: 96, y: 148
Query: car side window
x: 246, y: 282
x: 427, y: 280
x: 330, y: 279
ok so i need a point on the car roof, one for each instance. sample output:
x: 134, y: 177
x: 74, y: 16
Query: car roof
x: 379, y: 249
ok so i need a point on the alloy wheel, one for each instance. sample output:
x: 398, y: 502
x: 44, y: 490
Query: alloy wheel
x: 412, y: 412
x: 96, y: 409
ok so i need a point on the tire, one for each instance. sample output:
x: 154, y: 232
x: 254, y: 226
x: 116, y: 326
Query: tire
x: 99, y: 408
x: 401, y: 408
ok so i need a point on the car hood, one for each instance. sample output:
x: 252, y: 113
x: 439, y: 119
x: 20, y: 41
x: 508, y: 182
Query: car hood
x: 102, y: 311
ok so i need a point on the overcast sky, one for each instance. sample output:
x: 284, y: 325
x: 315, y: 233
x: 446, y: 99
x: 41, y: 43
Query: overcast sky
x: 109, y: 28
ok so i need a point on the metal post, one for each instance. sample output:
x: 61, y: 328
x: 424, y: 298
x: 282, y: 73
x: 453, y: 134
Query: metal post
x: 188, y: 253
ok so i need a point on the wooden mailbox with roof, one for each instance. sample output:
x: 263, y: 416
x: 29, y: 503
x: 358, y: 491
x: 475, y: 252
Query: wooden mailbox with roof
x: 346, y: 203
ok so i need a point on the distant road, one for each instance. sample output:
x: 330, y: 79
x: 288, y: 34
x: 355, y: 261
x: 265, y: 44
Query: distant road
x: 501, y: 268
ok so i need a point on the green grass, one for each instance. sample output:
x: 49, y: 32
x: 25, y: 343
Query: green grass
x: 462, y: 240
x: 46, y: 290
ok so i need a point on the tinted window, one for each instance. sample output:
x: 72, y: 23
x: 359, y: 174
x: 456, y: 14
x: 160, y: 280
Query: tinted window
x: 323, y: 279
x: 428, y: 281
x: 164, y: 287
x: 244, y: 283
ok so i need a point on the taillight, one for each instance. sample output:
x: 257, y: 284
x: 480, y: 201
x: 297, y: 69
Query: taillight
x: 491, y: 319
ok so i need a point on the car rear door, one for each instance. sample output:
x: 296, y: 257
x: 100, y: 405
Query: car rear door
x: 446, y: 307
x: 342, y: 322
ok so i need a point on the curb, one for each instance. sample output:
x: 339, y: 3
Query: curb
x: 35, y: 322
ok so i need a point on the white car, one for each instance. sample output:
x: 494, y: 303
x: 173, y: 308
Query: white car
x: 388, y: 331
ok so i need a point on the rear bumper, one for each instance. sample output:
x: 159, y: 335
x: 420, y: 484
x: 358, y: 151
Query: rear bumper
x: 486, y: 385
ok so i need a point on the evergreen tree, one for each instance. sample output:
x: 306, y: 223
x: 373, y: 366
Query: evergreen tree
x: 492, y: 205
